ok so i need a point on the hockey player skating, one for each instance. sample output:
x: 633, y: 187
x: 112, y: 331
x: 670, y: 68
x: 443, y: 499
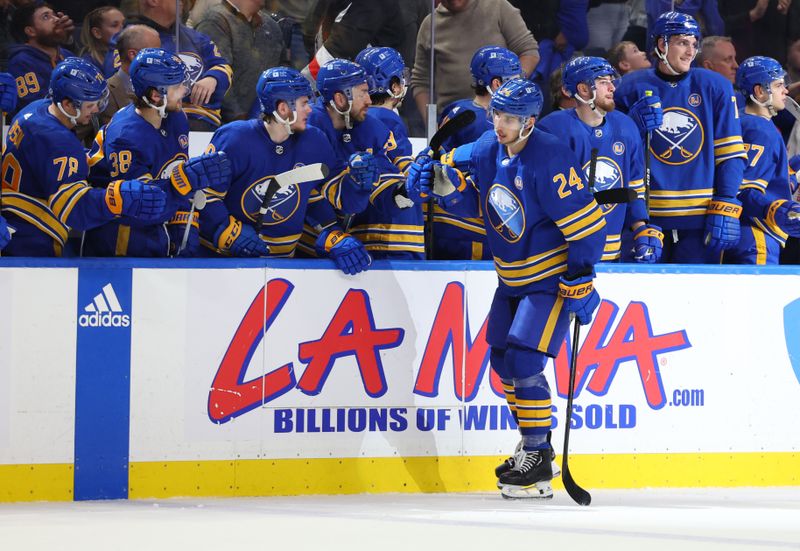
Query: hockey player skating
x: 546, y: 233
x: 769, y: 215
x: 149, y: 140
x: 45, y: 189
x: 594, y: 124
x: 389, y: 225
x: 258, y: 149
x: 696, y: 144
x: 454, y: 237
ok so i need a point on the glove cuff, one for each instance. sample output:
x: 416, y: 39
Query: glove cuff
x: 114, y: 198
x: 333, y: 238
x: 770, y: 215
x: 179, y: 180
x: 229, y: 234
x: 725, y: 207
x: 575, y: 291
x: 649, y: 231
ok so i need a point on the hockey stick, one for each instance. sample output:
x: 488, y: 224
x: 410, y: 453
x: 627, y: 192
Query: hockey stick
x: 448, y: 129
x: 793, y: 108
x: 299, y: 175
x: 578, y: 494
x: 198, y: 203
x: 647, y: 138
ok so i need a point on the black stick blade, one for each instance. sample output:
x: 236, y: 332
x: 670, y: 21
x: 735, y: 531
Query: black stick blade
x: 578, y: 494
x: 461, y: 120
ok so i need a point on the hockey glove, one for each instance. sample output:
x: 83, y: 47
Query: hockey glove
x: 5, y: 234
x: 722, y: 223
x: 794, y: 167
x: 136, y: 199
x: 419, y: 182
x: 648, y: 242
x: 239, y: 240
x: 647, y: 113
x: 211, y: 169
x: 580, y: 297
x: 363, y: 169
x: 347, y: 252
x: 8, y: 92
x: 784, y: 216
x: 448, y: 183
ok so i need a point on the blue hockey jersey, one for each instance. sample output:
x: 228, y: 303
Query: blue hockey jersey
x: 130, y: 148
x: 766, y: 172
x: 697, y: 153
x: 386, y: 229
x: 45, y: 188
x: 31, y: 68
x: 455, y: 237
x: 255, y: 158
x: 202, y: 59
x: 620, y: 163
x: 541, y: 220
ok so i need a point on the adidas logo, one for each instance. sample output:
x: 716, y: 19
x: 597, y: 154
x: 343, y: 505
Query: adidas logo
x: 104, y: 311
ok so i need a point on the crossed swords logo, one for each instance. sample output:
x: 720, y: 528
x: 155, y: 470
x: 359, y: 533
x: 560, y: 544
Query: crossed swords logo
x: 676, y: 144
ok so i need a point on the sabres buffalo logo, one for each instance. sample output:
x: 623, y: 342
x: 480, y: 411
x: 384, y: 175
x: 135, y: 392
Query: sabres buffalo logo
x: 194, y: 65
x: 679, y: 139
x: 280, y: 208
x: 607, y: 174
x: 505, y: 213
x: 170, y: 165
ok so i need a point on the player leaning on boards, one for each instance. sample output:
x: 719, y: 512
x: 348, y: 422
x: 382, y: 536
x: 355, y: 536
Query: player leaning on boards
x: 697, y: 152
x: 365, y: 147
x: 769, y: 215
x: 278, y: 141
x: 379, y: 228
x: 149, y: 140
x: 594, y: 124
x: 45, y: 192
x: 8, y: 102
x: 546, y: 233
x: 454, y: 237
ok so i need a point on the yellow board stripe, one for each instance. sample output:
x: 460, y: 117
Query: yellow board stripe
x: 270, y: 477
x: 49, y: 482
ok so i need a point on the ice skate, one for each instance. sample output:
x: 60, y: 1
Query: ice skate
x: 509, y: 463
x: 530, y: 476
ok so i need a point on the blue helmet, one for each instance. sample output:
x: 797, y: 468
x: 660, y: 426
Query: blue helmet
x: 339, y: 75
x: 758, y: 70
x: 519, y: 97
x: 281, y: 84
x: 585, y: 69
x: 157, y: 68
x: 382, y: 65
x: 77, y: 80
x: 674, y: 23
x: 494, y: 62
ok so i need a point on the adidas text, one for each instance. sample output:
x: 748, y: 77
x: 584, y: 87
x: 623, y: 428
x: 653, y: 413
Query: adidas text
x: 104, y: 319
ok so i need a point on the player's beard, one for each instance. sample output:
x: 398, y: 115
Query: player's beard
x: 606, y: 105
x: 359, y: 116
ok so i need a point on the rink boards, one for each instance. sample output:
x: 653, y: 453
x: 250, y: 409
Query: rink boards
x: 132, y: 378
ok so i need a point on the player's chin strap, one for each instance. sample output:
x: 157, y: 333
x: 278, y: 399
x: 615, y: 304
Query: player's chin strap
x: 663, y: 57
x: 73, y: 119
x: 768, y: 103
x: 160, y: 109
x: 286, y: 124
x: 344, y: 114
x: 590, y: 102
x: 522, y: 134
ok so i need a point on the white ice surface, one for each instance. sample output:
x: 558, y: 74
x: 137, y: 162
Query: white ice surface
x: 708, y: 519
